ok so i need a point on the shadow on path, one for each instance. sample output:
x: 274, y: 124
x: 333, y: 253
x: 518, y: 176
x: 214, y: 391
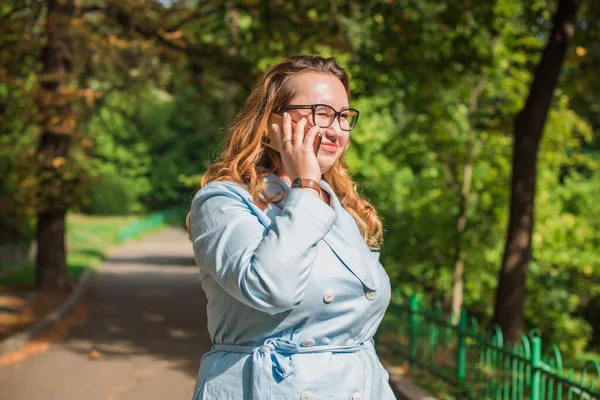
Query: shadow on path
x: 171, y: 261
x: 143, y: 338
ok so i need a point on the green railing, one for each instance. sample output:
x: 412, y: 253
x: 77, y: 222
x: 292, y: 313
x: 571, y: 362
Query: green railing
x: 477, y: 365
x: 151, y: 222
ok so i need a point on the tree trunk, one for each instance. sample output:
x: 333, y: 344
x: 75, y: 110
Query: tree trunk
x: 461, y: 224
x: 528, y: 127
x: 56, y: 125
x: 473, y: 145
x: 51, y: 266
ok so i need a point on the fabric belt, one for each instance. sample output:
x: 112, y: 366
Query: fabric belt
x: 272, y: 360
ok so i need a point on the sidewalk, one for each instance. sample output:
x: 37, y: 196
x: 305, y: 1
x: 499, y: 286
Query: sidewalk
x: 142, y: 337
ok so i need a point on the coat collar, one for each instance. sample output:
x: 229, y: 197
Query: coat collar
x: 344, y: 238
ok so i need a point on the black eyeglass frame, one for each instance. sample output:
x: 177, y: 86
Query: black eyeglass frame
x: 313, y: 108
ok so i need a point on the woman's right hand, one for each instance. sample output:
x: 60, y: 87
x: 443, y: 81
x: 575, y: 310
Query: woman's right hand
x: 298, y: 155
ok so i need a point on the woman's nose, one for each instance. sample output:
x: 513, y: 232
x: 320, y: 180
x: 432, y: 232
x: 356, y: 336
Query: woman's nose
x: 330, y: 134
x: 333, y: 130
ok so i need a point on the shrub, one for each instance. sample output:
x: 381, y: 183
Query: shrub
x: 111, y: 195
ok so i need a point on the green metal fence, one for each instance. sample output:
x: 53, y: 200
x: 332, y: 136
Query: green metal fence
x: 478, y: 365
x: 153, y: 221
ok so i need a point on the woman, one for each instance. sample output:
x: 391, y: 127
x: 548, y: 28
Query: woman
x: 285, y: 248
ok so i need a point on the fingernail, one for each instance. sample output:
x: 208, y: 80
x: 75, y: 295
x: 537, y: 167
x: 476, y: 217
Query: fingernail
x: 285, y: 114
x: 274, y: 126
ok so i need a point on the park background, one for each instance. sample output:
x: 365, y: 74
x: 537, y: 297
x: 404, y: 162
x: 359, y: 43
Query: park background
x: 110, y: 111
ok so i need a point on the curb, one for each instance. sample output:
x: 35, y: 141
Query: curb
x: 404, y: 389
x: 18, y: 340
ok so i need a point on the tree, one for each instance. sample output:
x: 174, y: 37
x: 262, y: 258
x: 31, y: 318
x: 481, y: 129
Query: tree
x: 528, y: 129
x: 57, y: 124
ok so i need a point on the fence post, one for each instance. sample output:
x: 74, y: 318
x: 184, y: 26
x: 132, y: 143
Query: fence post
x: 414, y: 326
x: 461, y: 352
x: 536, y: 357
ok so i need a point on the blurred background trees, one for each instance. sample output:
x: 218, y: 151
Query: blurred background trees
x: 144, y: 89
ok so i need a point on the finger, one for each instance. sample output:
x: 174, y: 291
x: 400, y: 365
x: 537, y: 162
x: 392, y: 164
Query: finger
x: 309, y: 139
x: 298, y: 137
x: 287, y: 126
x: 278, y: 136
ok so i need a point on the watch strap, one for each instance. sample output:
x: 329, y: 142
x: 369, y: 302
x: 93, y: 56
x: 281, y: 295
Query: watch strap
x: 306, y: 183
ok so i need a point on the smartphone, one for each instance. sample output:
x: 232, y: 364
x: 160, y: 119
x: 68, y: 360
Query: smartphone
x: 269, y: 139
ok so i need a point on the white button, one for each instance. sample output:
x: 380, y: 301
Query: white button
x: 357, y: 396
x: 371, y: 294
x: 308, y: 342
x: 350, y: 342
x: 306, y: 396
x: 328, y: 297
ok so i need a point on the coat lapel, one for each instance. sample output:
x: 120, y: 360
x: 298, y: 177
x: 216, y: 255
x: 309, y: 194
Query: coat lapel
x: 345, y: 241
x: 344, y: 238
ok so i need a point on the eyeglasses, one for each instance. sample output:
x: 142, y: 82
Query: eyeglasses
x: 324, y: 115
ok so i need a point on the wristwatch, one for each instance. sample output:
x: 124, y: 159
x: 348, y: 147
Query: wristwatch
x: 306, y: 183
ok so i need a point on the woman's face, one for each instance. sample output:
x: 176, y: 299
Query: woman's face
x: 315, y: 88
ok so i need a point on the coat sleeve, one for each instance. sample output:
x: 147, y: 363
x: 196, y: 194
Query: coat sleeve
x: 265, y: 268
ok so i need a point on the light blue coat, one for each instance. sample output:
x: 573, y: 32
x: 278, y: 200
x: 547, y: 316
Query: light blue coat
x: 294, y: 298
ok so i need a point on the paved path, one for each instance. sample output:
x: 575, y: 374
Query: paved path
x: 142, y: 339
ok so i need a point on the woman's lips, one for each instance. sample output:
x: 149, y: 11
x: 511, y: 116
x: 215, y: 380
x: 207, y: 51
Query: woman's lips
x: 329, y: 147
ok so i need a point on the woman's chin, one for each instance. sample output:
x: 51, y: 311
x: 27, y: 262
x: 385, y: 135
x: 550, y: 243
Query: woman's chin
x: 325, y: 167
x: 326, y: 160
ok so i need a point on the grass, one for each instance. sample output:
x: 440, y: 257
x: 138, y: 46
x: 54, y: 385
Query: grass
x: 88, y: 240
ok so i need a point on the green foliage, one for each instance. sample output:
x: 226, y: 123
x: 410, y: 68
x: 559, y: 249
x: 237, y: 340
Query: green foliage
x: 153, y: 148
x: 111, y: 194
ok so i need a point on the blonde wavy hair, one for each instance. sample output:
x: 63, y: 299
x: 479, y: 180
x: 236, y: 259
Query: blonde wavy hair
x: 246, y: 161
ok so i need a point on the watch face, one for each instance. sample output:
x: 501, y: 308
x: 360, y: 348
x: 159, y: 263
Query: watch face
x: 297, y: 183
